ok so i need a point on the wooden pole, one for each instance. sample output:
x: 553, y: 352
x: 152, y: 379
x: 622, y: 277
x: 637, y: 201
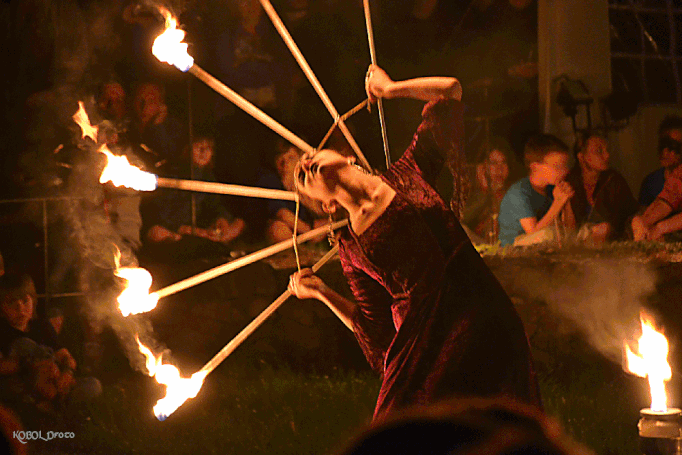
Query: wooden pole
x: 249, y: 108
x: 253, y: 325
x: 225, y: 188
x: 373, y: 57
x: 284, y: 33
x: 243, y: 261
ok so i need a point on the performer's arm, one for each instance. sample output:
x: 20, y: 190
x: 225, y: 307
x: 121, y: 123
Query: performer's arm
x: 380, y: 85
x: 305, y: 285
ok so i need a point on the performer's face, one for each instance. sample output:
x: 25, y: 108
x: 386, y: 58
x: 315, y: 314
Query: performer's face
x: 318, y: 175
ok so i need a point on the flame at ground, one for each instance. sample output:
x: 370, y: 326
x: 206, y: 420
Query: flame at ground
x: 120, y: 172
x: 168, y: 46
x: 82, y: 119
x: 651, y: 362
x: 178, y: 389
x: 135, y: 298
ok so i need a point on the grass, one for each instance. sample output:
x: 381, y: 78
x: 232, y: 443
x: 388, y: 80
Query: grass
x: 268, y: 410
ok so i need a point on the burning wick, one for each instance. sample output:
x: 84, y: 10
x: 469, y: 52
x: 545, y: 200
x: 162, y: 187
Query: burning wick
x: 120, y: 172
x: 178, y: 389
x: 135, y: 298
x: 82, y: 119
x: 168, y: 46
x: 651, y: 361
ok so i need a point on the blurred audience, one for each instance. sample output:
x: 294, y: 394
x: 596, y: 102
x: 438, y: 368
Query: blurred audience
x: 662, y: 217
x: 34, y: 368
x: 493, y: 177
x: 602, y: 202
x: 669, y: 143
x: 168, y: 220
x: 158, y: 130
x: 533, y: 206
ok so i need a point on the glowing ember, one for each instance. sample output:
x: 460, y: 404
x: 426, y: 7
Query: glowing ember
x: 651, y: 362
x: 178, y: 389
x: 120, y: 172
x: 135, y: 298
x: 82, y: 119
x: 168, y: 46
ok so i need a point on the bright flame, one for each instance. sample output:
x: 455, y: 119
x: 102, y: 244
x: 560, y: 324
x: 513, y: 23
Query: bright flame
x: 651, y: 362
x: 168, y: 46
x: 135, y: 298
x: 178, y: 389
x: 82, y: 119
x: 121, y: 173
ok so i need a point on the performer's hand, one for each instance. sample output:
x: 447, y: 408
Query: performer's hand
x: 305, y: 285
x: 376, y: 83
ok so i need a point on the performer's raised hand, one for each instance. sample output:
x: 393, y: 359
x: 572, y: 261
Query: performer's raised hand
x: 306, y: 285
x: 376, y: 83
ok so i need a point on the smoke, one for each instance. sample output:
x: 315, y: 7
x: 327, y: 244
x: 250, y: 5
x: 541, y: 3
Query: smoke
x: 83, y: 43
x: 601, y: 297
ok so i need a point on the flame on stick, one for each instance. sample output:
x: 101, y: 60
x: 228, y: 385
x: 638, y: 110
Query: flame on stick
x: 135, y: 298
x: 81, y: 118
x: 120, y: 172
x: 178, y: 389
x: 168, y: 46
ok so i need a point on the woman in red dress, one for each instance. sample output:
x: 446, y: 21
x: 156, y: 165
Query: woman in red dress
x: 428, y: 313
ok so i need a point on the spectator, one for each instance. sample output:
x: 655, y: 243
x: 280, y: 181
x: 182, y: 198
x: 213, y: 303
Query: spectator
x: 154, y: 127
x: 170, y: 219
x: 533, y: 203
x: 282, y: 214
x: 669, y: 140
x: 121, y: 204
x: 661, y: 217
x: 35, y: 368
x: 250, y: 56
x: 492, y: 181
x: 603, y: 202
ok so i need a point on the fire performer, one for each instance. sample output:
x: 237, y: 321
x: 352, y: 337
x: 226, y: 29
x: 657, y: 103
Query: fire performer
x: 429, y: 314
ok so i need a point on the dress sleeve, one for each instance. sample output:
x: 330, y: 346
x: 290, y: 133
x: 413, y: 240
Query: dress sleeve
x: 372, y: 320
x: 438, y: 140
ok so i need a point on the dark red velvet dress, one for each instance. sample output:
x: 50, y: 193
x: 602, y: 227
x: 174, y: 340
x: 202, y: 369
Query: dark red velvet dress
x: 431, y: 316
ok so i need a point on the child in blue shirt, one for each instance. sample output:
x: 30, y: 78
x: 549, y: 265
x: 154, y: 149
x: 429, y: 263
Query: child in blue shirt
x: 533, y: 203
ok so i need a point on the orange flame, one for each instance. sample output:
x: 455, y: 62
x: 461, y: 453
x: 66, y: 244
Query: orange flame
x: 651, y: 362
x: 135, y: 298
x: 168, y: 46
x: 82, y: 119
x: 178, y: 389
x: 120, y: 172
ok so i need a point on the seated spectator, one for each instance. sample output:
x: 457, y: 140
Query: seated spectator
x: 282, y: 214
x: 492, y: 181
x: 34, y: 367
x: 121, y: 204
x: 160, y: 133
x: 534, y: 203
x: 661, y: 217
x: 668, y: 155
x: 602, y: 203
x: 170, y: 217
